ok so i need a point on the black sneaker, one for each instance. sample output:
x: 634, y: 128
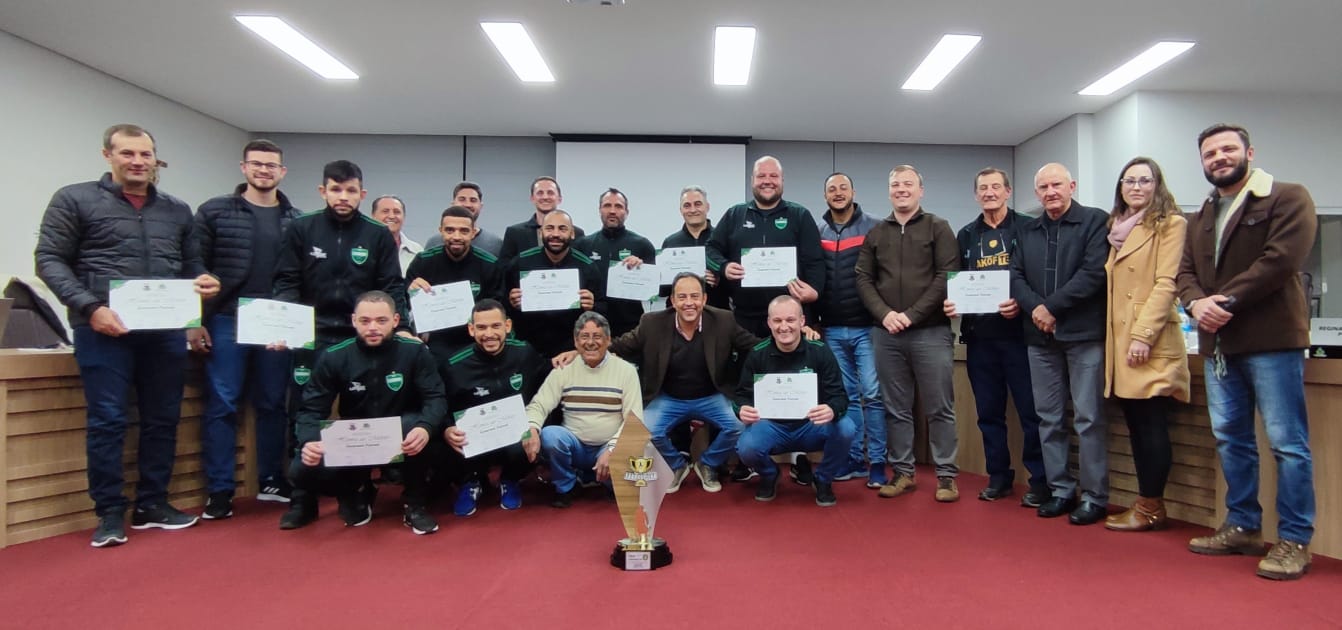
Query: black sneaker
x: 801, y: 471
x: 767, y: 490
x: 162, y: 516
x: 219, y: 506
x: 111, y: 530
x: 418, y: 520
x: 1035, y: 497
x: 354, y: 509
x: 300, y: 513
x: 743, y: 473
x: 824, y: 494
x: 564, y: 499
x: 276, y: 490
x: 993, y: 493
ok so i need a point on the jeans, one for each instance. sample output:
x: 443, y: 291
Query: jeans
x: 231, y: 370
x: 154, y: 364
x: 929, y: 348
x: 995, y: 366
x: 569, y: 457
x: 1274, y: 382
x: 665, y: 413
x: 852, y: 347
x: 765, y: 438
x: 1076, y: 368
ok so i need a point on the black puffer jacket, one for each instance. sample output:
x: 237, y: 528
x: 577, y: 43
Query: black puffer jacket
x: 843, y: 305
x: 224, y: 237
x: 91, y: 235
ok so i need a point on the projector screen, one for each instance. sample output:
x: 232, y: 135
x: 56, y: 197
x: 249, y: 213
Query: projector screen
x: 651, y: 175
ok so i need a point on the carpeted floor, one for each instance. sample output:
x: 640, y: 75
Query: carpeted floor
x: 907, y: 562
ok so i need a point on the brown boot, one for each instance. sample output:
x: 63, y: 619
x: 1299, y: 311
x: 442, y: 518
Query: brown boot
x: 1144, y: 515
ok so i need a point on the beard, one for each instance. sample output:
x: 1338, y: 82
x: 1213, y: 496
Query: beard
x: 761, y: 199
x: 1236, y: 175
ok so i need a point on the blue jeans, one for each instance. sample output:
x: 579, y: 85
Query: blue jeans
x: 1275, y: 382
x: 995, y: 366
x: 231, y: 370
x: 665, y: 413
x: 765, y: 438
x: 154, y: 364
x: 851, y: 345
x: 569, y: 457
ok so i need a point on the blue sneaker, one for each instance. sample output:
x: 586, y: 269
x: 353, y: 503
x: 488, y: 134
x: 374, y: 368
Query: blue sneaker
x: 876, y: 476
x: 466, y: 498
x: 856, y: 470
x: 511, y: 495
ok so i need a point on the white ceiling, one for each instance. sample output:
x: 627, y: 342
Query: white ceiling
x: 823, y: 70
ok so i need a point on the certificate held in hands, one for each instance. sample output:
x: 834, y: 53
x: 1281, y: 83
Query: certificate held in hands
x: 675, y: 260
x: 768, y: 266
x: 786, y: 396
x: 549, y: 290
x: 492, y: 425
x: 977, y: 292
x: 262, y: 322
x: 447, y: 306
x: 155, y: 304
x: 367, y: 442
x: 640, y: 283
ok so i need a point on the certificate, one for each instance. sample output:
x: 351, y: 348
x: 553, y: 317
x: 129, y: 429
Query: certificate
x: 448, y: 306
x: 366, y: 442
x: 263, y: 322
x: 978, y: 291
x: 493, y: 425
x: 785, y: 396
x: 640, y: 283
x: 768, y: 266
x: 549, y: 290
x: 155, y: 304
x: 674, y: 260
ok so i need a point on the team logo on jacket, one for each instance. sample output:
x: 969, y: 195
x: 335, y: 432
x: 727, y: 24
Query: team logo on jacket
x: 594, y: 256
x: 356, y: 386
x: 749, y: 225
x: 624, y: 253
x: 394, y: 381
x: 317, y: 252
x: 516, y: 381
x: 302, y: 374
x: 475, y: 288
x: 780, y: 222
x: 359, y: 255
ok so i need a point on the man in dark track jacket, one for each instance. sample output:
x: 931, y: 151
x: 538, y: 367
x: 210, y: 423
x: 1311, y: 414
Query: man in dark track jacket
x: 239, y: 236
x: 456, y: 260
x: 123, y: 227
x: 695, y: 232
x: 766, y: 221
x: 519, y: 237
x: 615, y: 243
x: 373, y: 375
x: 549, y: 331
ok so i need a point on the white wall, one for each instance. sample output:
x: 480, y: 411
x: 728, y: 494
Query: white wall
x: 1060, y: 143
x: 1116, y: 140
x: 56, y: 111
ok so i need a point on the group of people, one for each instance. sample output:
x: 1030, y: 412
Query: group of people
x: 1093, y: 312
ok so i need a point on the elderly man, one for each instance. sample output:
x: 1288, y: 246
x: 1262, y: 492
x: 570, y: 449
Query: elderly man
x: 390, y: 210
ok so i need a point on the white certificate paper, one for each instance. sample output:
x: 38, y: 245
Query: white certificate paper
x: 786, y: 396
x: 262, y: 322
x: 977, y: 292
x: 674, y: 260
x: 366, y: 442
x: 768, y: 266
x: 448, y: 306
x: 155, y: 304
x: 549, y: 290
x: 493, y: 425
x: 640, y: 283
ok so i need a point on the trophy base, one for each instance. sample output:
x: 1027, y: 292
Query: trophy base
x: 629, y: 556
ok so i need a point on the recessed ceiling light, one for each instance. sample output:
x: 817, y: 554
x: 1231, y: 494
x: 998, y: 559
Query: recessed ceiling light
x: 945, y: 56
x: 1154, y: 57
x: 294, y: 44
x: 519, y: 51
x: 733, y: 49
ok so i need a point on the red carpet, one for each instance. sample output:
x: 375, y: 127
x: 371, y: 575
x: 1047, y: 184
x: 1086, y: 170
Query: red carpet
x: 866, y: 563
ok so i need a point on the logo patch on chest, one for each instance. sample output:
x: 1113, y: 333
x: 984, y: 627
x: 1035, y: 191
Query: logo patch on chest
x: 394, y: 381
x: 359, y: 255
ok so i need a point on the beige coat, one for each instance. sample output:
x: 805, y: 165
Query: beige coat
x: 1142, y: 306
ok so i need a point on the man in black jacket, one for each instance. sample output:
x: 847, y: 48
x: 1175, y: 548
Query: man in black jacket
x: 94, y: 233
x: 455, y: 260
x: 373, y: 375
x: 548, y: 331
x: 695, y: 232
x: 519, y: 237
x: 1058, y: 278
x: 239, y: 237
x: 616, y: 243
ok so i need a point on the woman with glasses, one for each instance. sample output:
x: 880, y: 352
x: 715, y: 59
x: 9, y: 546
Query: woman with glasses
x: 1146, y: 365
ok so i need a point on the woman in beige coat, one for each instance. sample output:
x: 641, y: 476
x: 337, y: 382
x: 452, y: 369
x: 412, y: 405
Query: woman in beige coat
x: 1146, y: 365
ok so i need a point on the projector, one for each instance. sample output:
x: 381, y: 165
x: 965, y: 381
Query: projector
x: 599, y: 3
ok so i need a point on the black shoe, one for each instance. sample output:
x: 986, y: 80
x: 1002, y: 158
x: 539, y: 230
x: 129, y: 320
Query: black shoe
x: 768, y: 489
x: 1034, y: 498
x: 111, y: 530
x: 354, y: 510
x: 743, y: 473
x: 276, y: 490
x: 1056, y: 506
x: 801, y: 471
x: 419, y: 521
x: 391, y: 475
x: 302, y: 510
x: 564, y: 499
x: 1088, y: 514
x: 162, y: 516
x: 219, y: 506
x: 824, y: 494
x: 993, y: 493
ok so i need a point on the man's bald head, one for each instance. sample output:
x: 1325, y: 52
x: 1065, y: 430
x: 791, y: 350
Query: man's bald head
x: 1054, y: 186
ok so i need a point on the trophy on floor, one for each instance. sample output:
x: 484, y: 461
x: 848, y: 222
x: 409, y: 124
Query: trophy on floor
x: 641, y: 478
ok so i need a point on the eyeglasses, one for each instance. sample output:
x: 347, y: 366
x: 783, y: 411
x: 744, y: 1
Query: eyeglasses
x: 1140, y: 181
x: 269, y: 166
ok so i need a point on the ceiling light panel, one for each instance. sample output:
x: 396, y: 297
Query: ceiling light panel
x: 305, y: 51
x: 733, y: 51
x: 513, y: 42
x: 945, y: 56
x: 1154, y: 57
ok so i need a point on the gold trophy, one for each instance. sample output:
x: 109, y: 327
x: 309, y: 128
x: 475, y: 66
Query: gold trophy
x: 640, y: 477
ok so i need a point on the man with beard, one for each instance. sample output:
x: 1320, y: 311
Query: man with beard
x: 695, y: 232
x: 547, y: 331
x: 456, y: 260
x: 847, y: 327
x: 616, y: 243
x: 766, y: 221
x: 390, y: 211
x: 239, y: 237
x: 374, y: 375
x: 520, y: 237
x: 470, y: 196
x: 1240, y: 280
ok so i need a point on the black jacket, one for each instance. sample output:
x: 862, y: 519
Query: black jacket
x: 746, y: 226
x: 396, y: 378
x: 1078, y: 301
x: 474, y: 377
x: 978, y: 253
x: 717, y: 296
x: 520, y: 237
x: 842, y: 304
x: 478, y: 267
x: 606, y: 248
x: 327, y: 263
x: 224, y: 226
x: 550, y: 332
x: 649, y: 346
x: 810, y: 356
x: 91, y: 235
